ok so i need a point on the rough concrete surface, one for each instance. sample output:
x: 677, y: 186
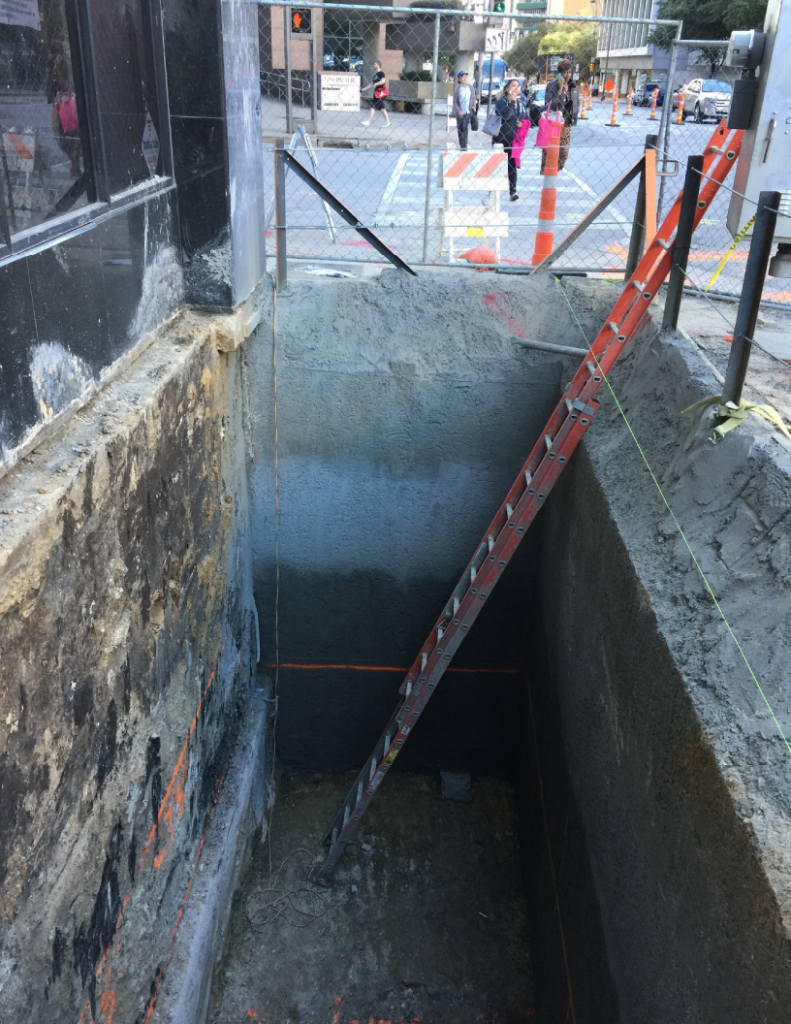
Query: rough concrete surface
x: 681, y: 775
x: 127, y: 642
x: 405, y: 409
x: 423, y: 919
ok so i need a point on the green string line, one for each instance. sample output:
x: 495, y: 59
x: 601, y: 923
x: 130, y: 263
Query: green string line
x: 658, y: 486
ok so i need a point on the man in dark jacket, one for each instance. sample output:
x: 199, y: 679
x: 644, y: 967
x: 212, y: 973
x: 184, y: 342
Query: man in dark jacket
x: 465, y: 107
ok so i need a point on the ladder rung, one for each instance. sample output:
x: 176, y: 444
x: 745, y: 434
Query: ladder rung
x: 663, y: 244
x: 372, y: 772
x: 528, y: 474
x: 345, y: 815
x: 456, y: 604
x: 423, y: 659
x: 490, y: 540
x: 509, y: 510
x: 473, y: 573
x: 590, y: 366
x: 440, y: 631
x: 569, y: 406
x: 548, y: 441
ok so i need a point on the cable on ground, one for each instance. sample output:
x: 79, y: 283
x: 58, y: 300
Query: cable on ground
x: 298, y: 907
x: 678, y: 526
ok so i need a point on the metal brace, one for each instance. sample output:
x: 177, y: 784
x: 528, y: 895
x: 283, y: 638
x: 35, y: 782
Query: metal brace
x: 666, y: 173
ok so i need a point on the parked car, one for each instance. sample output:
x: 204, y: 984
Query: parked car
x: 643, y: 94
x: 536, y: 102
x: 706, y: 97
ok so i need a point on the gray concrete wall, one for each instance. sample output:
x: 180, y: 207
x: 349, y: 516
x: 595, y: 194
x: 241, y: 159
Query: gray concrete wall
x: 405, y: 410
x: 680, y: 776
x: 127, y: 648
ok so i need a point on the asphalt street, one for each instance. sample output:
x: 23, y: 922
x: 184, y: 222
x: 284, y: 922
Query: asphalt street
x: 384, y: 181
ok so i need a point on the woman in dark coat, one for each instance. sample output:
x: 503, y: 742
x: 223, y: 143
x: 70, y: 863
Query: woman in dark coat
x: 561, y: 95
x: 513, y: 111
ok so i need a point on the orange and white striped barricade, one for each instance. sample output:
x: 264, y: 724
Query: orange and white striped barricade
x: 680, y: 114
x: 19, y: 153
x: 654, y: 98
x: 473, y: 171
x: 629, y: 96
x: 613, y: 122
x: 545, y: 235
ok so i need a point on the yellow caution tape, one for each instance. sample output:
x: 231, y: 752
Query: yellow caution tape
x: 733, y: 417
x: 727, y: 255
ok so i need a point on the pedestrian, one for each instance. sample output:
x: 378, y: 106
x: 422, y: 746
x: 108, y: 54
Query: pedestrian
x: 512, y: 111
x: 561, y: 95
x: 380, y: 91
x: 465, y: 107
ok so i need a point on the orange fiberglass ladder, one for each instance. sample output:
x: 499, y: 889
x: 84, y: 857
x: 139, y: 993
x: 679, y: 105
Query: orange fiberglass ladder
x: 557, y: 441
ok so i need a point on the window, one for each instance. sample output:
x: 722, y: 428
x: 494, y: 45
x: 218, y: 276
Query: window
x: 79, y: 113
x: 43, y: 168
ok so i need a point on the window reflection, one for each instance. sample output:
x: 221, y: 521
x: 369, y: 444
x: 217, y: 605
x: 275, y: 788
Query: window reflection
x: 42, y: 168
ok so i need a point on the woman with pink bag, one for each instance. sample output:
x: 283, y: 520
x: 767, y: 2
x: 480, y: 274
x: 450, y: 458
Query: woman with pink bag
x: 511, y: 109
x: 561, y: 98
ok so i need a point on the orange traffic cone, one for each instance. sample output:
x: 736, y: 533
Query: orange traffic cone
x: 613, y: 123
x: 628, y: 111
x: 680, y: 114
x: 583, y: 104
x: 545, y: 236
x: 654, y: 98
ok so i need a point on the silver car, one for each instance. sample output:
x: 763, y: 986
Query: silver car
x: 707, y: 97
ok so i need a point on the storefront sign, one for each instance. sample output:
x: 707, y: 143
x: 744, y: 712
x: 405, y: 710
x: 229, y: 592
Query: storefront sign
x: 20, y: 12
x: 340, y: 91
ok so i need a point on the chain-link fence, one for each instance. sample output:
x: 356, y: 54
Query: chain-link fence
x: 387, y: 156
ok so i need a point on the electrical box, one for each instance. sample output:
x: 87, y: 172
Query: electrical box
x: 745, y: 50
x: 765, y: 159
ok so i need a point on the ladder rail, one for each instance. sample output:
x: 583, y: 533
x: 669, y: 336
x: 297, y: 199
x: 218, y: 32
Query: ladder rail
x: 547, y: 460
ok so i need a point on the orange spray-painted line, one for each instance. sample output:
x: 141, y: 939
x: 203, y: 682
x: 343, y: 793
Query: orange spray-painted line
x: 389, y: 668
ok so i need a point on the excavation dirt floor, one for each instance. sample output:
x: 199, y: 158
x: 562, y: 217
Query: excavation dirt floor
x: 423, y: 918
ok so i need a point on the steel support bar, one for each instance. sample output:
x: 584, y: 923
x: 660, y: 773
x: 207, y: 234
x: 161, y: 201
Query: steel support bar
x: 639, y: 226
x: 591, y: 215
x: 287, y: 68
x: 434, y: 71
x: 665, y: 119
x: 343, y: 211
x: 686, y: 225
x: 280, y: 213
x: 750, y: 301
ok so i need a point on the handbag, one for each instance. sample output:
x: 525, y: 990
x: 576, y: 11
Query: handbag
x: 493, y: 124
x: 380, y: 92
x: 66, y: 109
x: 544, y: 122
x: 474, y: 121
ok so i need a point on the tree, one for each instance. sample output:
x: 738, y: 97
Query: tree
x: 707, y: 19
x: 579, y: 40
x: 522, y: 58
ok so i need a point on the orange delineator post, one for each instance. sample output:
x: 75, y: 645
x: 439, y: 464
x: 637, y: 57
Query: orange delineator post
x: 628, y: 111
x: 545, y: 236
x: 680, y: 115
x: 654, y: 98
x: 613, y: 122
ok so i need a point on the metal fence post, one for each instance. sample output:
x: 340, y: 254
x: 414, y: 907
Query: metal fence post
x: 686, y: 223
x: 750, y: 301
x: 280, y: 213
x: 429, y: 162
x: 637, y: 241
x: 287, y: 67
x: 665, y: 119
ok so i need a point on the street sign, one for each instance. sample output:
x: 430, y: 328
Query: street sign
x: 498, y: 39
x: 150, y: 146
x: 339, y: 91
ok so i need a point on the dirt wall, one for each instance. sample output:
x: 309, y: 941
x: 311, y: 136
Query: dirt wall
x: 680, y: 775
x: 127, y: 644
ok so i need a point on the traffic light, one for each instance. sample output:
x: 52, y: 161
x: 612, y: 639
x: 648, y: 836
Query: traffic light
x: 592, y: 66
x: 300, y: 22
x: 499, y: 6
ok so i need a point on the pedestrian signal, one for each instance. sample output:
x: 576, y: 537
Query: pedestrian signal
x: 499, y: 6
x: 300, y: 22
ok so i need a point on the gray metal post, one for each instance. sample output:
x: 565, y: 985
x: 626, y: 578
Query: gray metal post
x: 429, y: 154
x: 491, y: 76
x: 750, y: 301
x: 287, y: 66
x: 637, y: 241
x: 686, y: 223
x: 665, y: 119
x: 314, y: 78
x: 280, y: 213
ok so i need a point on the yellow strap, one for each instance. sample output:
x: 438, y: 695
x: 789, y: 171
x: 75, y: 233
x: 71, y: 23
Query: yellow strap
x: 727, y: 255
x: 733, y: 417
